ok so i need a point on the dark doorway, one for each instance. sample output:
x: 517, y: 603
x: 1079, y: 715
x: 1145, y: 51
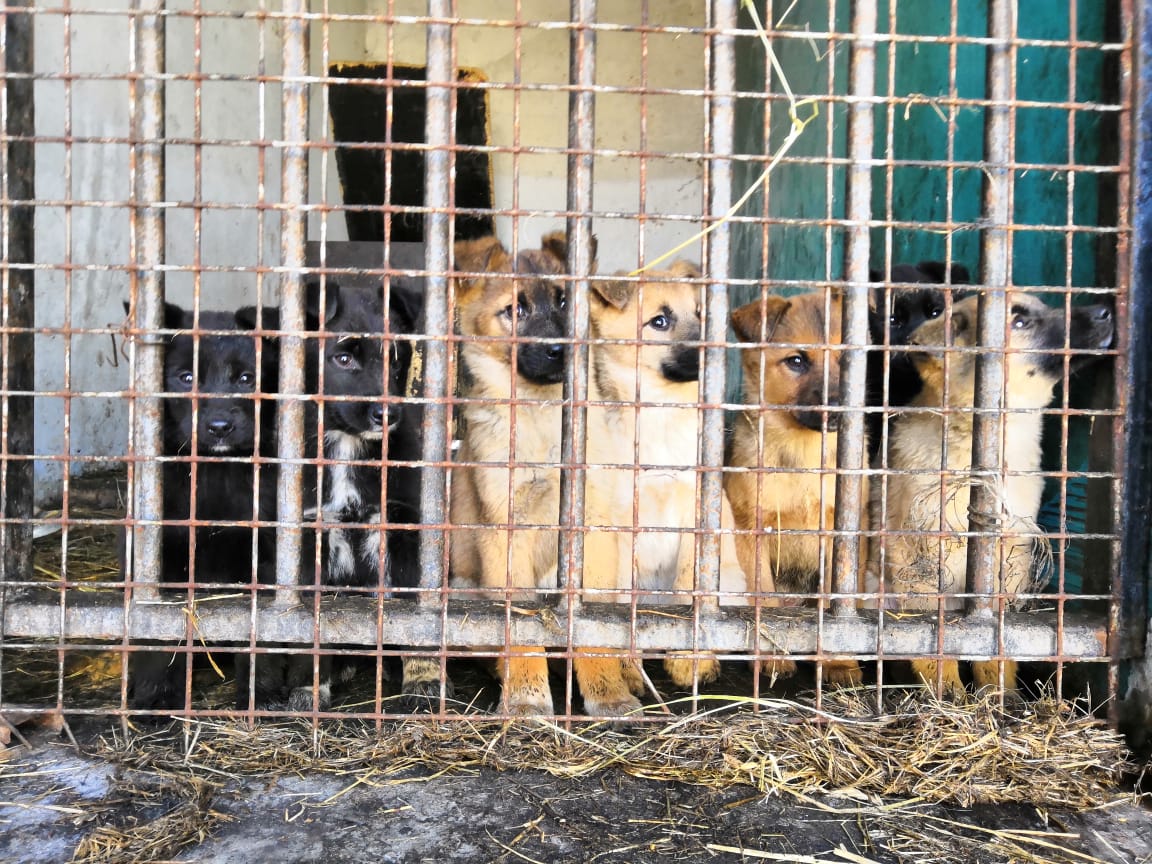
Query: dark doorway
x: 359, y: 117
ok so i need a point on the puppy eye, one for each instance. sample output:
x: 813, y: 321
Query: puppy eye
x: 561, y: 300
x: 344, y: 360
x: 520, y: 311
x: 796, y: 362
x: 896, y: 319
x: 186, y: 378
x: 246, y: 378
x: 1019, y: 322
x: 933, y: 312
x: 659, y: 322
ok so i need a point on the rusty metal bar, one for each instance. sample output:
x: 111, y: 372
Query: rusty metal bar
x: 851, y: 451
x: 17, y: 234
x: 438, y: 222
x: 355, y: 620
x: 996, y: 251
x: 293, y: 228
x: 581, y: 142
x: 147, y: 154
x: 714, y: 372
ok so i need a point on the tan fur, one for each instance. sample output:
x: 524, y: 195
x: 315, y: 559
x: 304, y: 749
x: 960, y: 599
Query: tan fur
x: 769, y: 435
x: 647, y: 419
x: 494, y: 558
x: 928, y: 563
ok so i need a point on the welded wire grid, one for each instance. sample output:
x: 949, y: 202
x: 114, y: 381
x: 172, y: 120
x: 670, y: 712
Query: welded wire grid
x: 197, y: 169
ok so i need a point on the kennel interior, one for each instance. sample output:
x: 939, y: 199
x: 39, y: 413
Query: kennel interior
x: 218, y: 154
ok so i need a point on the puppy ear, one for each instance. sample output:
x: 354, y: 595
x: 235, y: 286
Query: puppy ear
x: 684, y: 270
x: 406, y: 302
x: 269, y: 318
x: 751, y: 327
x: 875, y: 275
x: 483, y: 255
x: 960, y: 275
x: 312, y: 301
x: 175, y: 318
x: 938, y: 271
x: 555, y: 243
x: 613, y: 292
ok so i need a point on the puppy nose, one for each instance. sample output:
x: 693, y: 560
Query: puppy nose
x: 376, y: 415
x: 554, y: 352
x: 220, y: 428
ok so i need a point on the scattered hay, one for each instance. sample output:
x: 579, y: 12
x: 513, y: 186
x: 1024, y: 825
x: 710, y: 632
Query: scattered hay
x: 89, y: 554
x: 1050, y: 755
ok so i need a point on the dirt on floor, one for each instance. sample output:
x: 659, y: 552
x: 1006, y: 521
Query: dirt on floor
x: 98, y: 801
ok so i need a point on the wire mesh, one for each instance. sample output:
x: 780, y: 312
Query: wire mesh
x: 577, y: 341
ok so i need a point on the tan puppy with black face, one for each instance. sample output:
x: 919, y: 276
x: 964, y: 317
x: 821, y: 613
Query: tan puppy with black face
x: 931, y: 557
x: 522, y: 297
x: 647, y: 424
x: 791, y: 371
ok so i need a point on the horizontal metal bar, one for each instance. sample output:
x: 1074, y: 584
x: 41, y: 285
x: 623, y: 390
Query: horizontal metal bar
x: 354, y: 621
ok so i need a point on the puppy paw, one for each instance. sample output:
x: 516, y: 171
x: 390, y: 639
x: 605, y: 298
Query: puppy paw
x: 684, y: 670
x: 620, y: 707
x: 948, y: 672
x: 420, y: 690
x: 842, y: 674
x: 633, y: 677
x: 528, y: 704
x: 777, y: 670
x: 300, y: 698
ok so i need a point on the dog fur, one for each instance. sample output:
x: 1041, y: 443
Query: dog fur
x: 789, y: 380
x: 219, y: 375
x: 932, y: 564
x: 500, y: 299
x: 645, y: 422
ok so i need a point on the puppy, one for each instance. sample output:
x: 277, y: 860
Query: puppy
x: 893, y: 314
x: 358, y: 365
x: 499, y: 300
x: 645, y: 416
x: 918, y: 506
x: 217, y: 383
x: 789, y: 437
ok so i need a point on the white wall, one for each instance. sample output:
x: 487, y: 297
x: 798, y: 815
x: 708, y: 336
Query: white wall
x: 83, y: 238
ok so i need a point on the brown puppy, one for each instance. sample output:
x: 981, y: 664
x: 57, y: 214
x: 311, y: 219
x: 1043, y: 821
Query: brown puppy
x: 791, y: 372
x: 526, y: 299
x: 921, y: 501
x: 643, y: 443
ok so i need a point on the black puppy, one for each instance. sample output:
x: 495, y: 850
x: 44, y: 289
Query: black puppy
x: 894, y: 313
x: 216, y: 380
x: 359, y: 368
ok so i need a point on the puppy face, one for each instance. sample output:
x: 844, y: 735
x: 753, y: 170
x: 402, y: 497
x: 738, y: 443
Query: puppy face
x: 352, y: 353
x: 223, y: 365
x: 798, y: 365
x: 664, y: 314
x: 522, y: 297
x: 901, y: 310
x: 1037, y: 337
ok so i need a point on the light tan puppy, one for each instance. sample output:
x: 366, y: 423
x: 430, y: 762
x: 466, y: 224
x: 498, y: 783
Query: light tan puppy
x: 932, y: 557
x: 645, y: 421
x: 791, y: 372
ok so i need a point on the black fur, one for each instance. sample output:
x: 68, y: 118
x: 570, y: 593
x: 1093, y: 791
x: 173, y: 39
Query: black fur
x: 541, y: 314
x: 893, y: 315
x: 348, y: 359
x: 222, y: 367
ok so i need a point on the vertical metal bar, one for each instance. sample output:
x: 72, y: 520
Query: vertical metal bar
x: 293, y: 226
x: 437, y: 262
x: 983, y: 550
x: 17, y: 184
x: 148, y: 292
x: 721, y: 123
x: 850, y: 446
x: 1129, y: 607
x: 581, y: 142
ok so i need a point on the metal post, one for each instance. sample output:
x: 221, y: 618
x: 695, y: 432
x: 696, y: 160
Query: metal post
x: 850, y: 446
x: 581, y: 142
x: 983, y: 550
x: 17, y: 184
x: 147, y: 90
x: 721, y: 126
x: 437, y: 322
x: 293, y: 227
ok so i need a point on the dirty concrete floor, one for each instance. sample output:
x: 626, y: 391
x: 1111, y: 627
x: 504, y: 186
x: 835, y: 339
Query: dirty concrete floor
x: 54, y: 796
